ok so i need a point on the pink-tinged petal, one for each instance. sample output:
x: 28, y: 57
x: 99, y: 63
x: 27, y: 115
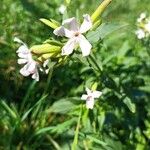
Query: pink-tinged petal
x: 32, y: 67
x: 87, y: 24
x: 71, y: 24
x: 85, y: 46
x: 69, y: 46
x: 36, y: 75
x: 90, y: 103
x: 24, y: 71
x: 61, y: 31
x: 22, y: 61
x: 96, y: 94
x: 84, y: 97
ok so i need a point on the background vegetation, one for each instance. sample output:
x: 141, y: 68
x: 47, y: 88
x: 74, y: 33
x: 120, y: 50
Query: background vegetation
x: 49, y: 114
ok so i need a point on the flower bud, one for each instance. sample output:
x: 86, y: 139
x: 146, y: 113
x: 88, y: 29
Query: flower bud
x: 44, y: 48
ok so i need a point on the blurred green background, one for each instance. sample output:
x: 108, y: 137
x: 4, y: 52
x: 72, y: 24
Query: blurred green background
x: 43, y: 115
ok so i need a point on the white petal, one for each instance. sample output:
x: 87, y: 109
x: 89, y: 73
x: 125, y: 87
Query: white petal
x: 90, y: 103
x: 24, y: 71
x: 69, y: 46
x: 22, y: 61
x: 96, y: 94
x: 84, y: 97
x: 18, y: 40
x: 87, y: 24
x: 88, y: 91
x: 84, y: 45
x: 71, y: 24
x: 23, y: 55
x: 46, y: 63
x: 61, y: 31
x: 23, y: 49
x: 47, y: 71
x: 62, y: 9
x: 140, y: 34
x: 36, y: 75
x: 142, y: 17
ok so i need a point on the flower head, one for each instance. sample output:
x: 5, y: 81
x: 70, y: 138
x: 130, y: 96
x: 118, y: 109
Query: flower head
x: 143, y: 30
x: 31, y: 66
x: 75, y: 34
x: 142, y: 17
x: 90, y: 96
x: 62, y: 9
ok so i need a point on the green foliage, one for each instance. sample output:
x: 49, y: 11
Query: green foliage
x: 49, y: 114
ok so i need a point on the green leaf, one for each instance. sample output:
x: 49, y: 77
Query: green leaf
x: 60, y: 128
x: 50, y: 23
x: 129, y: 104
x: 103, y: 30
x: 62, y: 106
x: 8, y: 109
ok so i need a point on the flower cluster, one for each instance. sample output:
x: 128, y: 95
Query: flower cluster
x: 25, y: 57
x: 39, y: 57
x: 143, y: 23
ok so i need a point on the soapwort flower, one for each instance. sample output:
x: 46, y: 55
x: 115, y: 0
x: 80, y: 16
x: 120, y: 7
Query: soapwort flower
x: 70, y: 29
x: 25, y: 57
x: 90, y: 96
x: 62, y: 9
x: 143, y: 23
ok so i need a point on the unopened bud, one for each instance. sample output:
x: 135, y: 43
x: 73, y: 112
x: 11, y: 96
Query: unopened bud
x: 44, y: 48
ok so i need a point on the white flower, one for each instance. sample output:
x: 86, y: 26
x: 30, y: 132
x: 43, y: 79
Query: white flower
x: 142, y: 17
x: 75, y: 35
x: 90, y: 96
x: 31, y: 66
x: 62, y: 9
x: 140, y: 34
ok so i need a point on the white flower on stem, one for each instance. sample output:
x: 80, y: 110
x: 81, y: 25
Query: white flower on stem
x: 31, y: 66
x: 62, y: 9
x: 142, y: 17
x: 140, y: 33
x: 90, y: 96
x: 75, y: 35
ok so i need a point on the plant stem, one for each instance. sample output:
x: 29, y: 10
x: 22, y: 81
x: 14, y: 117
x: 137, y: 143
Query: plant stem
x: 100, y: 10
x: 96, y: 64
x: 75, y: 141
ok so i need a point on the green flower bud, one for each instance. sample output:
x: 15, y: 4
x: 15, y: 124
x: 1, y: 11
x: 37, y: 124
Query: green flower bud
x: 44, y: 48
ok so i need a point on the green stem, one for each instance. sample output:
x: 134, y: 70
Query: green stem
x: 100, y: 10
x: 96, y: 64
x: 75, y: 141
